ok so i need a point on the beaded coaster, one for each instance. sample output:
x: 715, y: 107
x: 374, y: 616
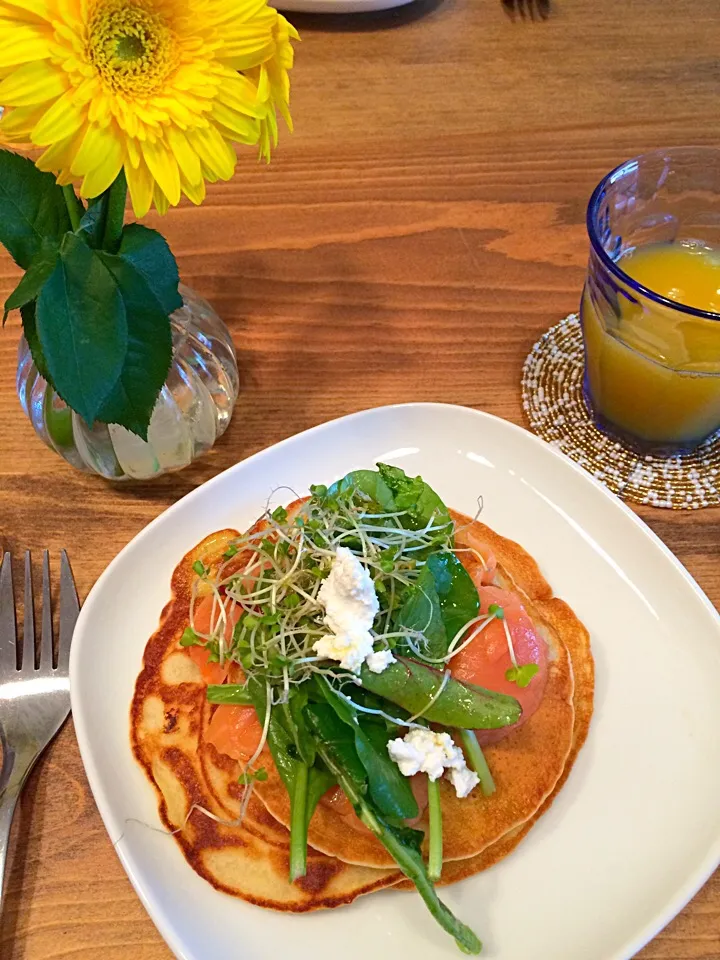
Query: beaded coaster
x: 556, y: 410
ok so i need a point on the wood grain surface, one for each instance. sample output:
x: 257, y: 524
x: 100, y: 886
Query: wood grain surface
x: 414, y: 237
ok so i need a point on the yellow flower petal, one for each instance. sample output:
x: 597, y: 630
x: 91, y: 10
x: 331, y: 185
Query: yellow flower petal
x: 163, y: 166
x: 240, y: 94
x: 187, y: 159
x: 60, y: 155
x: 33, y: 83
x: 27, y: 10
x: 59, y: 121
x: 213, y: 151
x: 140, y: 185
x: 195, y: 192
x: 23, y: 43
x: 16, y: 124
x: 238, y: 126
x: 97, y: 144
x: 107, y: 166
x: 160, y: 200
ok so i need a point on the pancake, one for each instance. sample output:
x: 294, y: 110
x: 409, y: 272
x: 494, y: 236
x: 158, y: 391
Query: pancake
x: 526, y: 765
x: 168, y: 715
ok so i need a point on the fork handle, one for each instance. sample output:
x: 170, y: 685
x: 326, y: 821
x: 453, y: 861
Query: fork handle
x: 8, y: 800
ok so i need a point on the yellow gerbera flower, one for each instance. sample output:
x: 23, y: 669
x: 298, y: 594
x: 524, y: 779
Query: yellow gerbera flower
x: 159, y: 88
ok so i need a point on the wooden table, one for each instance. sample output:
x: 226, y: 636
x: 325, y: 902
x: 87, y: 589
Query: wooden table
x: 410, y: 242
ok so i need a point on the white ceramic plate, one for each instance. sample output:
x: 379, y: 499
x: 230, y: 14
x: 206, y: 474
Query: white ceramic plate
x: 635, y: 831
x: 338, y: 6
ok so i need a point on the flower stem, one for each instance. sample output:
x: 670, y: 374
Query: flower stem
x: 477, y: 761
x: 115, y: 215
x: 74, y: 206
x: 435, y: 854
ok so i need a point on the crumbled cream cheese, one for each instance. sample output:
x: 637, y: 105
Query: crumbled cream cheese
x: 425, y: 751
x: 379, y: 660
x: 351, y: 605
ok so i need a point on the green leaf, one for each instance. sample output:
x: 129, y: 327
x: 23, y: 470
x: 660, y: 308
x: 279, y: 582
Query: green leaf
x: 190, y: 638
x: 458, y: 595
x: 522, y: 675
x: 422, y: 612
x: 442, y: 600
x: 149, y: 350
x: 368, y: 482
x: 82, y: 328
x: 148, y: 252
x: 32, y: 208
x: 235, y: 693
x: 336, y: 736
x: 35, y: 277
x: 92, y: 225
x: 415, y: 496
x: 29, y: 322
x: 389, y: 789
x: 319, y: 782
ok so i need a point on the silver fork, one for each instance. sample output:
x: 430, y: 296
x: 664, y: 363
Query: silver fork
x: 534, y: 9
x: 34, y: 691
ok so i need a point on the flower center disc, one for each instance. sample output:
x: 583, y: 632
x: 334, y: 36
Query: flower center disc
x: 131, y: 46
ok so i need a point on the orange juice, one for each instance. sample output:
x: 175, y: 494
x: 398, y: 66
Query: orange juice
x: 651, y: 369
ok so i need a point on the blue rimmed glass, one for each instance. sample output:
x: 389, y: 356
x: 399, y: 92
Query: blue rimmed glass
x: 652, y: 365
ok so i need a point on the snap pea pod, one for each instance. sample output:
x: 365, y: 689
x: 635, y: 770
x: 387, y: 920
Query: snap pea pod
x: 412, y: 686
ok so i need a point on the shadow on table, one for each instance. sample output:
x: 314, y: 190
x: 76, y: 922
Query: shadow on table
x: 372, y: 20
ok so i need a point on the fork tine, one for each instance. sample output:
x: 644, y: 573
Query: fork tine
x: 8, y: 634
x: 46, y: 639
x: 69, y: 609
x: 28, y: 651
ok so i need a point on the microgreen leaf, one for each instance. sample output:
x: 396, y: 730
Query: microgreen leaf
x: 190, y: 638
x: 522, y: 675
x: 199, y: 568
x: 230, y: 552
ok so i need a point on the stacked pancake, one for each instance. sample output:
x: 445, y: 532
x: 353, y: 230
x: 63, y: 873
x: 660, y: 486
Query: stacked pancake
x: 237, y: 837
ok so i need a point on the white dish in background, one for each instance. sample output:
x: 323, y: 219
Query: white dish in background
x: 339, y: 6
x: 636, y: 829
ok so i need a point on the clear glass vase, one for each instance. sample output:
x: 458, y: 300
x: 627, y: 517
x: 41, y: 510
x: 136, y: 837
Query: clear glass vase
x: 192, y: 411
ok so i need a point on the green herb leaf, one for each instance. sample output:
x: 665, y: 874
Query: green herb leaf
x: 334, y: 733
x: 422, y: 612
x: 459, y: 600
x: 236, y: 693
x: 230, y: 552
x: 415, y: 496
x: 35, y: 277
x: 279, y: 514
x: 199, y: 568
x: 82, y: 328
x: 367, y: 482
x: 389, y: 789
x: 190, y: 638
x: 32, y: 208
x: 522, y: 675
